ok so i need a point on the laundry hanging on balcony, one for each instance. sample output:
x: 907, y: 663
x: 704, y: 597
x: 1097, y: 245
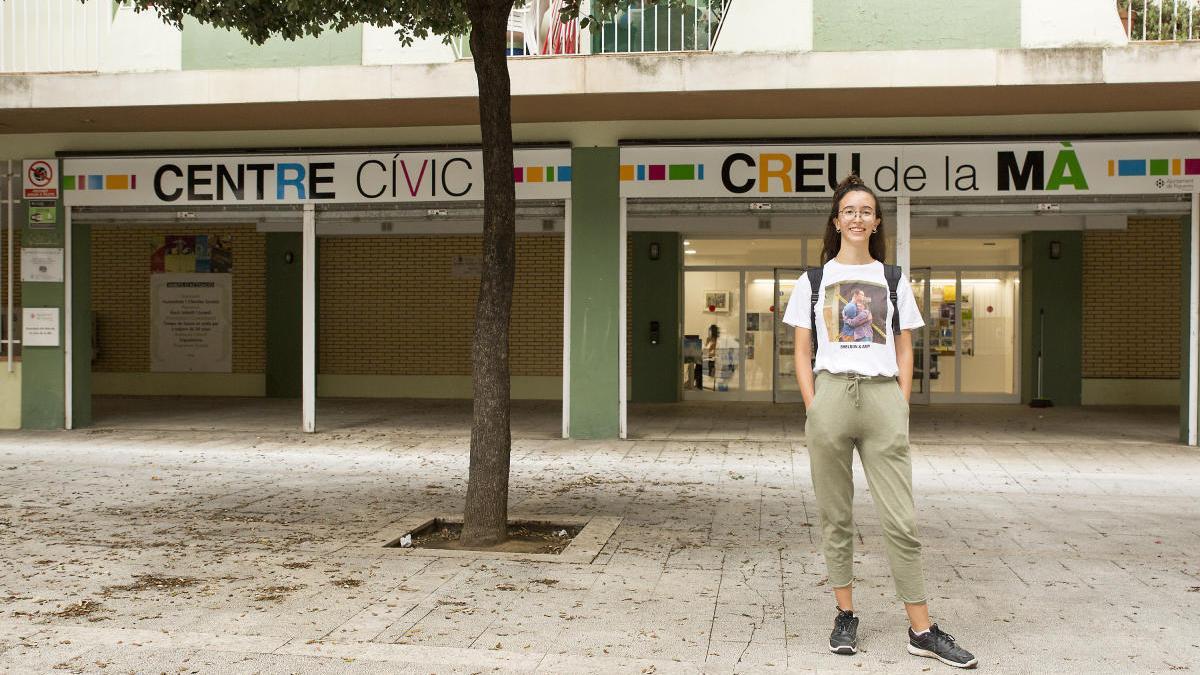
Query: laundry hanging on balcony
x: 563, y: 36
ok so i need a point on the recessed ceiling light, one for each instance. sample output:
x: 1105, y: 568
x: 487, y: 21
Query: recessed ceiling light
x: 686, y: 242
x: 690, y: 251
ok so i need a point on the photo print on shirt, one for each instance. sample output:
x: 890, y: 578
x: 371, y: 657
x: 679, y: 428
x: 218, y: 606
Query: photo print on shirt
x: 856, y: 312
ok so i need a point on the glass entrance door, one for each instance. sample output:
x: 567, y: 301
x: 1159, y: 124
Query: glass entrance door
x: 988, y: 307
x: 712, y: 326
x: 786, y: 389
x: 972, y: 335
x: 758, y: 335
x: 924, y: 362
x: 728, y: 342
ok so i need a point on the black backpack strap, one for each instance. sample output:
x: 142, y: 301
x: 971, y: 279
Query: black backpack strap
x: 814, y: 284
x: 892, y: 274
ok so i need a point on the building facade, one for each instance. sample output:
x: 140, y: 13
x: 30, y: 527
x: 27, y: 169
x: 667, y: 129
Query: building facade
x: 194, y: 215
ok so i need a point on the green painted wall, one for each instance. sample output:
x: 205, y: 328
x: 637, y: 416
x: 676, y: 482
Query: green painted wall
x: 866, y: 25
x: 285, y: 286
x: 207, y: 48
x: 657, y: 296
x: 43, y: 371
x: 595, y: 289
x: 81, y: 325
x: 1057, y: 287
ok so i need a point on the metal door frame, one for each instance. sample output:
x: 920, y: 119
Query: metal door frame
x: 922, y: 397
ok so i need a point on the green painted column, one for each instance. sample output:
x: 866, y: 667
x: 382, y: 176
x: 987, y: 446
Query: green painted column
x: 285, y: 282
x: 43, y: 369
x: 1055, y: 286
x: 595, y: 322
x: 657, y: 297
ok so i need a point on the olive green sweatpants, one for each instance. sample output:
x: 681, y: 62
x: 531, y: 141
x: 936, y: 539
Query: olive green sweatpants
x: 869, y: 413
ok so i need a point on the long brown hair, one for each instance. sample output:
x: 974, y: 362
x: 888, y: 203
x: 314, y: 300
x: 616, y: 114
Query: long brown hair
x: 833, y: 238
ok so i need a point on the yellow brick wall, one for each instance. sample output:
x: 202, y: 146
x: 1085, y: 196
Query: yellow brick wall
x: 16, y: 287
x: 121, y: 294
x: 1131, y: 300
x: 389, y: 306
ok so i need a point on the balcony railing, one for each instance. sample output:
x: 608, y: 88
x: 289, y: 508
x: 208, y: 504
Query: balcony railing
x: 1160, y: 20
x: 40, y: 36
x: 537, y: 29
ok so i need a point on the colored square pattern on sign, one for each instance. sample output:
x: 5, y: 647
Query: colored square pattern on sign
x: 542, y: 174
x: 1177, y: 166
x: 632, y: 173
x: 114, y: 181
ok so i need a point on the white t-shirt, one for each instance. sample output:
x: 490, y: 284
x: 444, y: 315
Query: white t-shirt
x: 854, y: 324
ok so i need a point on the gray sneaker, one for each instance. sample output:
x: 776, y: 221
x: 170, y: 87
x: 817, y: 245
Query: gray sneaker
x: 941, y: 646
x: 844, y: 638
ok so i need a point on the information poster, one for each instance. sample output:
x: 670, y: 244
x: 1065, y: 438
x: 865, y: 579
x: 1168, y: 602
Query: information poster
x: 191, y: 323
x: 42, y: 265
x: 43, y: 215
x: 39, y: 327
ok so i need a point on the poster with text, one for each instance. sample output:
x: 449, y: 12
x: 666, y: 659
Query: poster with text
x: 191, y: 323
x: 188, y: 253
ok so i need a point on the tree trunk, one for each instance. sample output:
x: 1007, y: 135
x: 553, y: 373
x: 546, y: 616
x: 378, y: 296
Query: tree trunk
x: 485, y: 517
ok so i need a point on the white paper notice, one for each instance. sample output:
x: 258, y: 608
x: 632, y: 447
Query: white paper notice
x: 42, y: 264
x: 39, y: 327
x: 191, y: 323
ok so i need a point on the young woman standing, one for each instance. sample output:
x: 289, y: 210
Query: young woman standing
x: 859, y: 398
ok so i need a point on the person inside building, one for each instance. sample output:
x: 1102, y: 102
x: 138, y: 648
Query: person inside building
x: 710, y: 353
x: 858, y: 398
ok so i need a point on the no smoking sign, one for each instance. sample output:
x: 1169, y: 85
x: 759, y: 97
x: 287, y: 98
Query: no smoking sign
x: 41, y: 179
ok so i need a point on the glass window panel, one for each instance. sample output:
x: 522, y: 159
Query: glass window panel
x: 989, y: 337
x: 759, y: 341
x: 714, y: 299
x: 943, y: 331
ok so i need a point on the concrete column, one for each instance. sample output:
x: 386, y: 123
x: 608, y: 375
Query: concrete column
x: 657, y: 297
x: 1189, y: 410
x: 594, y: 297
x: 1045, y: 282
x: 308, y: 328
x: 78, y: 323
x: 904, y: 233
x: 285, y: 292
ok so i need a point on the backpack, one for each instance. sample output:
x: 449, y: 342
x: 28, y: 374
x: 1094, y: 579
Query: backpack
x: 890, y: 272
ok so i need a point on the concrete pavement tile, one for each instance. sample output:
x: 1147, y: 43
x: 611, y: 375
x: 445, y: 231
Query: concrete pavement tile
x: 590, y: 665
x: 1013, y: 528
x: 430, y: 657
x: 742, y: 657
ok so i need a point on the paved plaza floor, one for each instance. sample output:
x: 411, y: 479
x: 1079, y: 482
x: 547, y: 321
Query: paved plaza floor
x: 196, y: 535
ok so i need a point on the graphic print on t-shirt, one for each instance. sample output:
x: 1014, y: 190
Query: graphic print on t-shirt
x: 856, y: 311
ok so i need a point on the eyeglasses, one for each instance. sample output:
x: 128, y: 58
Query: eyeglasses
x: 850, y: 213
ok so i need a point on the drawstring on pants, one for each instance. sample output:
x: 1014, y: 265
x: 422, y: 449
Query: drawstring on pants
x: 854, y: 383
x: 853, y: 389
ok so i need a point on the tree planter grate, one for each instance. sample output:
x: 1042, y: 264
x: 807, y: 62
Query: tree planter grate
x: 532, y: 537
